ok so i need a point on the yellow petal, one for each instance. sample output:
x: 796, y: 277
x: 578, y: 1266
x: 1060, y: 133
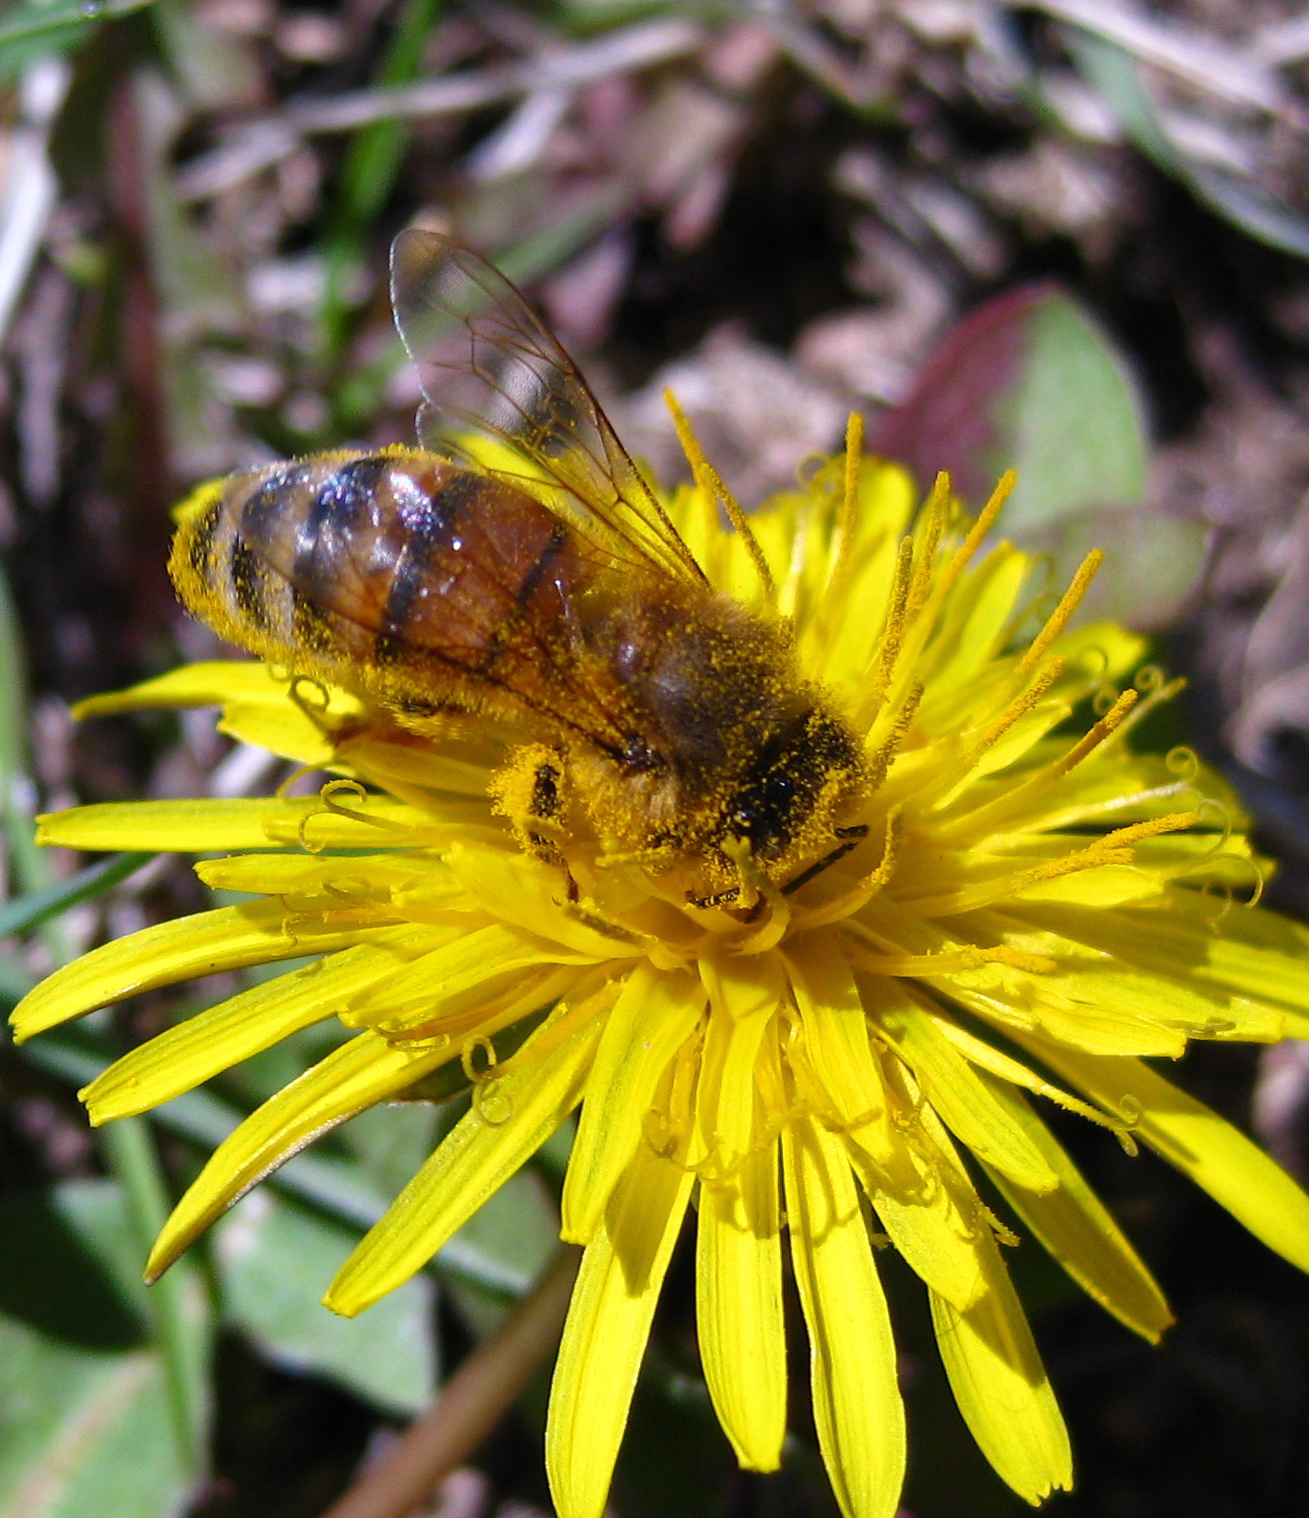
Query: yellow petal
x: 1109, y: 651
x: 281, y: 728
x: 738, y: 1286
x: 955, y: 1090
x: 512, y: 1117
x: 932, y: 1227
x: 1250, y: 951
x: 846, y: 1083
x: 215, y: 826
x: 1078, y: 1230
x: 199, y: 826
x: 359, y: 877
x: 449, y: 990
x: 1217, y: 1157
x: 1015, y: 1001
x: 978, y: 619
x: 1001, y: 1386
x: 857, y: 1405
x: 396, y: 768
x: 212, y: 683
x: 522, y: 891
x: 744, y: 993
x: 360, y: 1074
x: 1110, y: 885
x: 608, y: 1324
x: 228, y: 939
x: 259, y: 707
x: 656, y: 1012
x: 1115, y: 965
x: 839, y: 648
x: 214, y: 1040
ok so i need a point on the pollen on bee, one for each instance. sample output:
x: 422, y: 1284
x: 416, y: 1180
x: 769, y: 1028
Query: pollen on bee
x: 528, y: 792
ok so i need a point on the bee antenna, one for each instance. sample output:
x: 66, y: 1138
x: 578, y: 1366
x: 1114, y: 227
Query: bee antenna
x: 710, y: 481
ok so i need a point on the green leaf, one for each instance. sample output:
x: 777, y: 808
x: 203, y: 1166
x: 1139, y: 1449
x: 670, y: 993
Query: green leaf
x: 69, y: 1267
x: 15, y: 983
x: 338, y: 1187
x: 87, y: 1427
x: 1152, y: 562
x: 517, y: 1231
x: 1028, y: 381
x: 1113, y: 72
x: 214, y: 70
x: 273, y: 1260
x: 1072, y: 426
x: 389, y: 1143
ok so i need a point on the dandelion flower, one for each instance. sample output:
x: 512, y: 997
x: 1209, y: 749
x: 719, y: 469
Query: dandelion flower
x: 1037, y: 911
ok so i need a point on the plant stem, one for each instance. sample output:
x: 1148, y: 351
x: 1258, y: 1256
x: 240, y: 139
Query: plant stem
x: 471, y: 1403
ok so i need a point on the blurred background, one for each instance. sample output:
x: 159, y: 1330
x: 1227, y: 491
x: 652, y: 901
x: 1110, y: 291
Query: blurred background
x: 1068, y: 236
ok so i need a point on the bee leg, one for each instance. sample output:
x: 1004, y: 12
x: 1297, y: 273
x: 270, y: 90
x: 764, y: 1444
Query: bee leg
x: 719, y: 899
x: 529, y: 791
x: 545, y: 804
x: 850, y: 838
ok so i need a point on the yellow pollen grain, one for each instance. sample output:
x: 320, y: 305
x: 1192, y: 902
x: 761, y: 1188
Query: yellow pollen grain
x: 987, y: 818
x: 845, y: 529
x: 880, y: 757
x: 1171, y: 822
x: 1058, y: 618
x: 854, y: 454
x: 935, y: 512
x: 711, y: 482
x: 1096, y: 734
x: 888, y: 653
x: 1113, y: 848
x: 1018, y: 707
x: 985, y: 521
x: 964, y: 554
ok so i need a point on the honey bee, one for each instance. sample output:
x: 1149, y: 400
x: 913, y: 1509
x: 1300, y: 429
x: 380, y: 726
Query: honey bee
x: 516, y: 570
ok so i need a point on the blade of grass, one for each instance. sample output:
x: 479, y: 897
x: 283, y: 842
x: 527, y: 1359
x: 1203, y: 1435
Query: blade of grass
x: 30, y: 868
x: 372, y: 162
x: 179, y: 1332
x: 329, y: 1185
x: 180, y: 1314
x: 26, y: 912
x: 1114, y: 74
x: 30, y: 23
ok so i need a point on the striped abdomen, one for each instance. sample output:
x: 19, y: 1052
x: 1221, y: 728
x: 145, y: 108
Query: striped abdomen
x: 395, y: 574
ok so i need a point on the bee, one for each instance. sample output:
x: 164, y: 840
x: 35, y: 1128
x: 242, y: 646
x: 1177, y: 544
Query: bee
x: 515, y: 570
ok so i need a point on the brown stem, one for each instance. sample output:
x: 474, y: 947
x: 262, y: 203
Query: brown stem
x: 150, y: 484
x: 470, y: 1405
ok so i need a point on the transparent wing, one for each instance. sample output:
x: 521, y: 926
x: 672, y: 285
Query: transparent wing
x: 489, y: 367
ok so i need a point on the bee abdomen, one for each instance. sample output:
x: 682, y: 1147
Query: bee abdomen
x: 386, y: 572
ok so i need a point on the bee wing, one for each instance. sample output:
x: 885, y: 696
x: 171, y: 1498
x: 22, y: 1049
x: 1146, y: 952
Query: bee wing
x: 487, y: 364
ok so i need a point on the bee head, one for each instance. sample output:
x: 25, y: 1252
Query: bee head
x: 783, y: 800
